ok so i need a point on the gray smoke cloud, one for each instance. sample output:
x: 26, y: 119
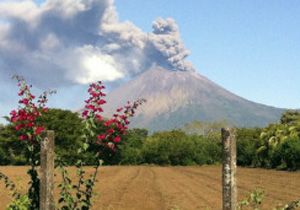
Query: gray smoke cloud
x: 81, y: 41
x: 166, y: 41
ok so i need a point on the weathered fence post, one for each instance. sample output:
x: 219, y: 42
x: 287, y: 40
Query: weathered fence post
x: 229, y: 169
x: 47, y: 172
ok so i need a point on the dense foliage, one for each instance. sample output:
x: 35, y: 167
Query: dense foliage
x: 11, y: 150
x: 276, y: 146
x: 177, y: 148
x: 90, y: 136
x: 247, y: 145
x: 67, y: 126
x: 68, y: 130
x: 162, y: 148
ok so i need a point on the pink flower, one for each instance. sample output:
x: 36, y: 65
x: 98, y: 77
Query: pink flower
x: 13, y: 119
x: 110, y: 131
x: 123, y: 117
x: 94, y: 94
x: 91, y: 107
x: 30, y: 125
x: 85, y: 113
x: 117, y: 139
x: 120, y: 126
x: 99, y: 117
x: 39, y: 130
x: 21, y: 93
x: 32, y: 96
x: 23, y: 137
x: 18, y: 127
x: 101, y: 137
x: 31, y: 117
x: 99, y: 109
x: 108, y: 123
x: 119, y: 110
x: 24, y: 101
x: 101, y: 101
x: 13, y: 113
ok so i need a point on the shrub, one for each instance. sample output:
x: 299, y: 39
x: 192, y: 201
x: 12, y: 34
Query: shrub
x: 246, y: 152
x: 211, y: 150
x: 130, y: 149
x: 287, y: 155
x: 177, y: 148
x: 131, y: 156
x: 247, y: 144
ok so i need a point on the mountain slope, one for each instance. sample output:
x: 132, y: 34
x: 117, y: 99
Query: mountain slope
x: 176, y: 97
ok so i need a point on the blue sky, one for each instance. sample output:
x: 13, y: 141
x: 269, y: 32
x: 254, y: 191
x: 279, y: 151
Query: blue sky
x: 251, y: 48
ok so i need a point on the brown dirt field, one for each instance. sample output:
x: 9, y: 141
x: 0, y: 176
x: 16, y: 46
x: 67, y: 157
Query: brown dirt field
x: 166, y: 188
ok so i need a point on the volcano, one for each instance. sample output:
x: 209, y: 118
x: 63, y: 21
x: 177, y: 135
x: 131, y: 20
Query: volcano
x: 175, y: 98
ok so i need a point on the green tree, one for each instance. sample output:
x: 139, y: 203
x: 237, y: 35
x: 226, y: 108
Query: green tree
x: 67, y: 126
x: 275, y: 137
x: 247, y: 144
x: 68, y: 131
x: 11, y: 148
x: 287, y: 155
x: 130, y: 150
x: 290, y: 117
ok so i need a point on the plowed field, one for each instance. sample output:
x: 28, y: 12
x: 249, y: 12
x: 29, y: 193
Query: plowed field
x: 184, y: 188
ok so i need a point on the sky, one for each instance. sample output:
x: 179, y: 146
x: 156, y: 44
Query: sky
x: 251, y: 48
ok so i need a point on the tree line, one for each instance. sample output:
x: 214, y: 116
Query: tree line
x: 197, y: 143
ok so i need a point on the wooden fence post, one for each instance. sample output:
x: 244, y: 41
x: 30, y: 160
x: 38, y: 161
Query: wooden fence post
x: 229, y: 169
x: 47, y: 172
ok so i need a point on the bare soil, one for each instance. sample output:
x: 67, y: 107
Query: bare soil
x: 176, y: 188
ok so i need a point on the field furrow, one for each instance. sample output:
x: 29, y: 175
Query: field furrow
x: 170, y: 188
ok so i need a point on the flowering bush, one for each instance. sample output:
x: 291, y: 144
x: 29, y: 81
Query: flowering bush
x: 114, y: 128
x: 26, y: 117
x: 100, y: 135
x: 26, y: 120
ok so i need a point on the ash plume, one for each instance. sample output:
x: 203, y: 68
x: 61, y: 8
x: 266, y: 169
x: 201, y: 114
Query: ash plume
x: 81, y: 41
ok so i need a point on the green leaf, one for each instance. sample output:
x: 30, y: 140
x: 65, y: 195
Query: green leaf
x: 85, y: 146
